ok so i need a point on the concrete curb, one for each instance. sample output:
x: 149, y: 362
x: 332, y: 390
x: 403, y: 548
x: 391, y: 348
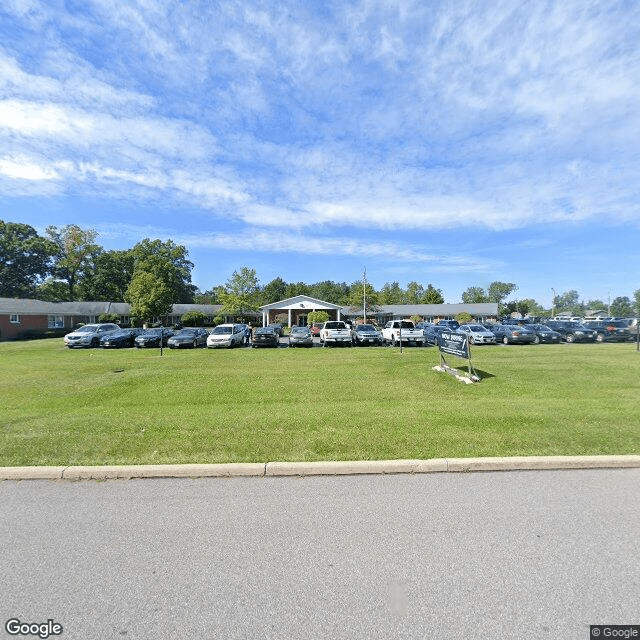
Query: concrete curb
x: 274, y: 469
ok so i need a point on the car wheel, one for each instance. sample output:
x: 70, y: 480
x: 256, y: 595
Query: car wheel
x: 505, y: 340
x: 570, y: 337
x: 95, y: 342
x: 599, y: 337
x: 536, y: 340
x: 471, y: 341
x: 393, y: 341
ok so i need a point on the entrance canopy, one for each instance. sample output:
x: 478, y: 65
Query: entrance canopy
x: 297, y: 309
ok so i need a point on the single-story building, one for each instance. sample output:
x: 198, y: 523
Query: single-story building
x: 20, y: 316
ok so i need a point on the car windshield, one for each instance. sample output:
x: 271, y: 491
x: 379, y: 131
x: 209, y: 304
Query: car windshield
x: 88, y: 328
x: 265, y: 330
x: 365, y: 327
x: 477, y: 327
x: 335, y: 325
x: 299, y: 330
x: 153, y: 332
x: 221, y: 330
x: 185, y: 332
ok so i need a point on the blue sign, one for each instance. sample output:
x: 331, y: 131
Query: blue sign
x: 455, y: 344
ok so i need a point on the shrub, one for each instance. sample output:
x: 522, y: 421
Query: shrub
x: 464, y: 317
x: 317, y: 316
x: 109, y: 317
x: 193, y: 319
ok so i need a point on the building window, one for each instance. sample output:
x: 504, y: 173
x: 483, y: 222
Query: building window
x: 14, y: 318
x: 56, y: 322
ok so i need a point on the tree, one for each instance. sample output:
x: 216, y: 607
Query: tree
x: 498, y: 291
x: 75, y: 249
x: 329, y: 291
x: 317, y: 316
x: 621, y: 307
x: 148, y: 296
x: 25, y: 259
x: 52, y: 290
x: 110, y: 277
x: 464, y: 317
x: 474, y: 295
x: 432, y: 296
x: 391, y: 293
x: 192, y: 319
x: 168, y: 262
x: 569, y: 302
x: 241, y: 292
x: 356, y: 296
x: 274, y: 291
x: 414, y: 293
x: 297, y: 289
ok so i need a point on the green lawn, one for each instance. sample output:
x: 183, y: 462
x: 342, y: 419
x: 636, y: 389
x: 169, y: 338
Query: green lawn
x: 93, y: 407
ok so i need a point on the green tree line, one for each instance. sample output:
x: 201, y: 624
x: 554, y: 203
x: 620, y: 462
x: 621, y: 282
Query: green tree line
x: 67, y: 264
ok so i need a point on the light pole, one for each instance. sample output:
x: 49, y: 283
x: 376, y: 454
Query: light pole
x: 553, y: 301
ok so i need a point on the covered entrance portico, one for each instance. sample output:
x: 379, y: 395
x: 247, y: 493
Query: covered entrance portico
x: 297, y: 309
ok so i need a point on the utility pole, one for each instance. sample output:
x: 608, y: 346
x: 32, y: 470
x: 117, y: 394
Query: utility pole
x: 364, y: 295
x: 553, y: 301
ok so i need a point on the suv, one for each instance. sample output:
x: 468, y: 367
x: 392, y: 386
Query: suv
x: 89, y: 335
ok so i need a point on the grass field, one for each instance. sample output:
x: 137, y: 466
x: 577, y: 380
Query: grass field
x: 93, y: 407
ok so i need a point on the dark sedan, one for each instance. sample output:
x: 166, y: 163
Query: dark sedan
x: 151, y: 338
x: 545, y: 334
x: 265, y: 337
x: 119, y: 339
x: 513, y: 334
x: 188, y: 338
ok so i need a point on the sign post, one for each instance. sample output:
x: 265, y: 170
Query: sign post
x: 456, y: 344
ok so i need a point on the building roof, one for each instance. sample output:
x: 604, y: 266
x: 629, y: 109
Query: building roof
x: 300, y: 302
x: 408, y: 310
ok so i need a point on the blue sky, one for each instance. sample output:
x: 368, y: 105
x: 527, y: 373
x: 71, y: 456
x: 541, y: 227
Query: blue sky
x: 452, y: 143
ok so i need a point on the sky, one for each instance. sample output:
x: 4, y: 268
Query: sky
x: 450, y: 143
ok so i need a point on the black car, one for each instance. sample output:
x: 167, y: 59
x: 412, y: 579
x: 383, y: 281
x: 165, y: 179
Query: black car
x: 191, y: 337
x: 433, y: 331
x: 265, y: 337
x: 545, y: 334
x: 151, y: 338
x: 610, y: 331
x: 119, y: 339
x: 572, y: 331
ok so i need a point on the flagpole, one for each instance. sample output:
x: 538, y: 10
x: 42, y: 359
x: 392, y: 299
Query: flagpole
x: 364, y: 295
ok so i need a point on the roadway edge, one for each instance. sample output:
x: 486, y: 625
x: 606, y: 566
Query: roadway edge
x: 360, y: 467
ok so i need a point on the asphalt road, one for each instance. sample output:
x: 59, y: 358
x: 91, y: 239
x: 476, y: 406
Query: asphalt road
x: 480, y: 555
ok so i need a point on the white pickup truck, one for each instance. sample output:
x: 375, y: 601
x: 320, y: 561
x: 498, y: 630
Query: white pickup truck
x: 335, y: 332
x: 410, y: 335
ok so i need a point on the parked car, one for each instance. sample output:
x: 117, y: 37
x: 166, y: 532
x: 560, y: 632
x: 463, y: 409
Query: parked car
x: 513, y: 334
x: 402, y: 331
x: 226, y: 335
x: 611, y: 331
x: 278, y: 328
x: 336, y: 332
x: 432, y: 332
x: 366, y: 334
x: 188, y: 337
x: 451, y: 324
x: 545, y: 334
x: 315, y: 328
x: 151, y: 338
x: 300, y: 337
x: 477, y: 334
x: 119, y: 339
x: 572, y: 331
x: 265, y: 337
x: 89, y: 335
